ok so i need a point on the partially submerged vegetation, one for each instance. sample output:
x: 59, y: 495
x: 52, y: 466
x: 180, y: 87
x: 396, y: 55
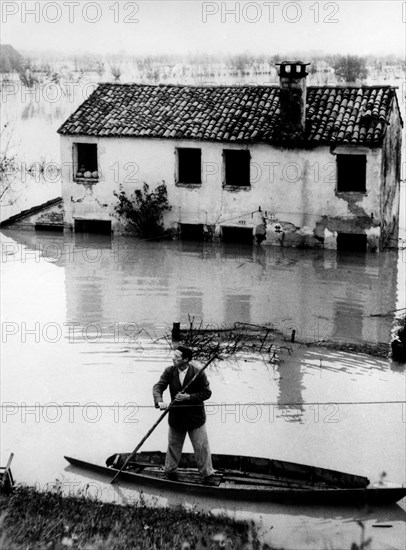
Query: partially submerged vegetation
x: 33, y: 520
x: 208, y: 340
x: 143, y: 210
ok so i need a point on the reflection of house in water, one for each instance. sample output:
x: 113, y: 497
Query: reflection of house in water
x: 329, y: 296
x: 364, y: 310
x: 237, y: 307
x: 348, y: 320
x: 87, y: 286
x: 290, y: 383
x: 190, y: 305
x: 155, y: 284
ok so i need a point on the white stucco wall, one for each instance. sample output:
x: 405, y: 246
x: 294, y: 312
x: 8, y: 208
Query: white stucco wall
x: 391, y: 177
x: 294, y: 186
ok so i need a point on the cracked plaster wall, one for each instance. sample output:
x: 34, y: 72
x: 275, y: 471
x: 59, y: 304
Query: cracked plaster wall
x: 295, y: 188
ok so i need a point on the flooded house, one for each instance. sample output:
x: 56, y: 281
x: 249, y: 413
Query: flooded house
x: 294, y: 165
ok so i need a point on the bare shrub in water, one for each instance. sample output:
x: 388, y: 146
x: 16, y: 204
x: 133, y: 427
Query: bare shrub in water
x: 144, y: 209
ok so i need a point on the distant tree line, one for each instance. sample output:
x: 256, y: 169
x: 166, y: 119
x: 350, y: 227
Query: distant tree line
x: 341, y: 68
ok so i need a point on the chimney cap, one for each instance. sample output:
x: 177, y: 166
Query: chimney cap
x: 292, y: 69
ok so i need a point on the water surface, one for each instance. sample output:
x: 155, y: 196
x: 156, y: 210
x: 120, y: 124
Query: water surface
x: 84, y: 325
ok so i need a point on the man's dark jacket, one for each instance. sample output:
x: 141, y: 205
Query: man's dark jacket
x: 185, y: 415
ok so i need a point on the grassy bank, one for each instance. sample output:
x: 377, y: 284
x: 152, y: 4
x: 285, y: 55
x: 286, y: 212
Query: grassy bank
x: 33, y: 520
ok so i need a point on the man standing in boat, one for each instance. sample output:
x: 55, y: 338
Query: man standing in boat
x: 187, y: 415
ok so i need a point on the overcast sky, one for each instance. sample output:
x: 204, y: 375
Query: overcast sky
x: 151, y: 27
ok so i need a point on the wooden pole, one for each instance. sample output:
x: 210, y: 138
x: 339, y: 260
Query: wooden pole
x: 176, y: 331
x: 10, y: 460
x: 146, y: 436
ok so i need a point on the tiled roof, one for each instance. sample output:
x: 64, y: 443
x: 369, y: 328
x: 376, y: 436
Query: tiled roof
x: 30, y: 212
x: 334, y: 115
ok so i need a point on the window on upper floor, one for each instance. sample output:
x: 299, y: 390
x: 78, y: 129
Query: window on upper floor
x: 85, y: 161
x: 351, y: 173
x: 189, y: 165
x: 236, y: 168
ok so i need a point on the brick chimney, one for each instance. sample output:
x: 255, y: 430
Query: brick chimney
x: 292, y: 78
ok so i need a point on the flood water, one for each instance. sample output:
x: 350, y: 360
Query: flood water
x: 83, y: 325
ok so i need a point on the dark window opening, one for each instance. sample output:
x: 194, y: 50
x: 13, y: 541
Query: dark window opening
x: 236, y: 234
x: 351, y: 173
x: 351, y: 242
x: 189, y: 166
x: 237, y: 168
x: 49, y: 227
x: 93, y: 226
x: 191, y: 231
x: 87, y: 160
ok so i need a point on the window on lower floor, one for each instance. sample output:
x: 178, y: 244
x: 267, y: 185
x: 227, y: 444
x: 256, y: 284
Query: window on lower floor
x: 93, y: 226
x: 237, y: 168
x: 231, y: 234
x: 189, y: 165
x: 351, y: 173
x: 351, y: 242
x: 190, y: 231
x: 86, y: 161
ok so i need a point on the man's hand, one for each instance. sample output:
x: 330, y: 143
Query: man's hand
x: 182, y: 397
x: 162, y: 405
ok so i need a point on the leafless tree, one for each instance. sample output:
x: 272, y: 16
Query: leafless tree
x: 350, y: 68
x: 8, y: 169
x: 115, y: 71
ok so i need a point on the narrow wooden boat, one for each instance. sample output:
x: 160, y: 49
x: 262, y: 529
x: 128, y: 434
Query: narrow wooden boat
x: 249, y: 478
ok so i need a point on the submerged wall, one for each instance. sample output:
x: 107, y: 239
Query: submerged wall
x: 391, y: 174
x: 295, y: 189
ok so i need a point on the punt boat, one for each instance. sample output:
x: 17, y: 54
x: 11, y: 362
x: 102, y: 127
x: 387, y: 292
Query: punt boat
x: 248, y: 478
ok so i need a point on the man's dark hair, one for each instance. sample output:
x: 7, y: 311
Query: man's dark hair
x: 187, y: 353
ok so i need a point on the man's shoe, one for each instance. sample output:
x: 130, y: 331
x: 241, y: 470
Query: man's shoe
x: 172, y: 476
